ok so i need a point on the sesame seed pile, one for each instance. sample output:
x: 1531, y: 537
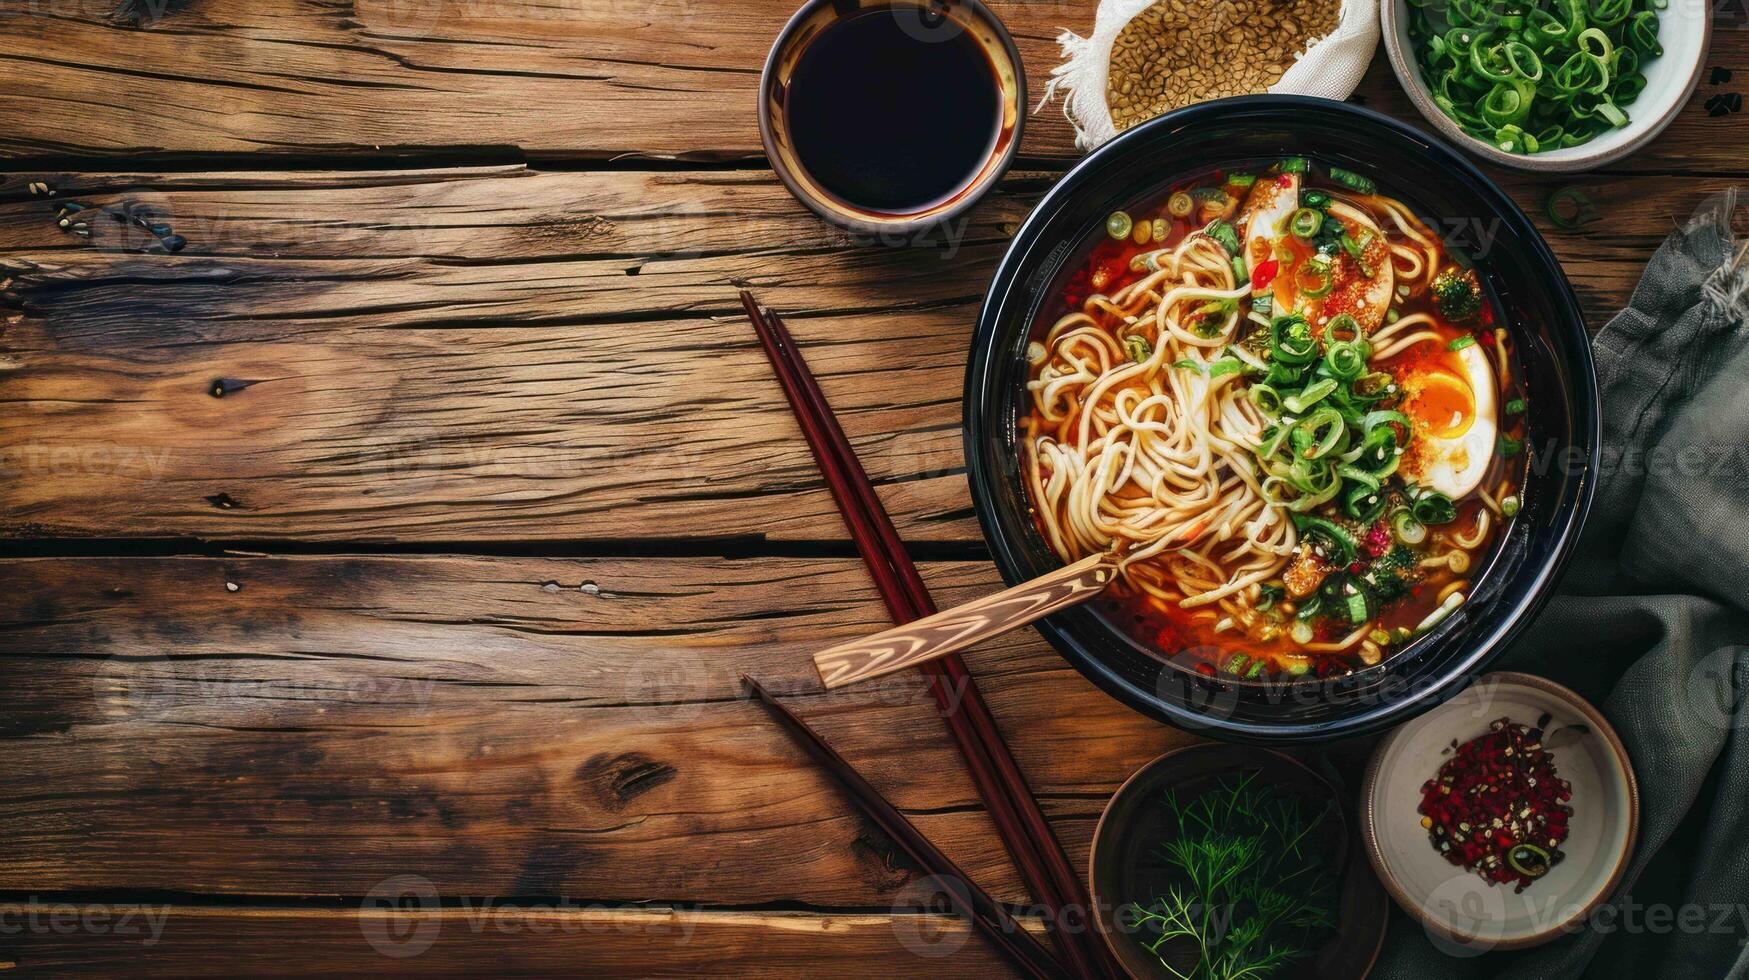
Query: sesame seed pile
x: 1178, y: 52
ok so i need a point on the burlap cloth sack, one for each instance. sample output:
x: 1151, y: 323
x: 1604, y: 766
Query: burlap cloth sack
x: 1184, y: 51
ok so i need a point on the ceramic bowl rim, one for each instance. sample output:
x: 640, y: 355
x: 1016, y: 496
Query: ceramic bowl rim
x: 984, y: 368
x: 1618, y: 755
x: 1408, y: 76
x: 1099, y: 826
x: 870, y: 223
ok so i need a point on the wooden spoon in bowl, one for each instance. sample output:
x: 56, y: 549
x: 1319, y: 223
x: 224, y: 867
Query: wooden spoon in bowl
x: 920, y: 640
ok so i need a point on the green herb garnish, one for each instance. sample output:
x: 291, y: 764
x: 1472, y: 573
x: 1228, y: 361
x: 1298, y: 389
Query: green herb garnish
x: 1250, y: 890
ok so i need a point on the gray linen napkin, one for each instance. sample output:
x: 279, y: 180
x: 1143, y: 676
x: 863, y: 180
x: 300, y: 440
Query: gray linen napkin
x: 1652, y: 625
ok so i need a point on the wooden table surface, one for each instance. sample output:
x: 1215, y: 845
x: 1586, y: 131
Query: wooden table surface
x: 397, y: 544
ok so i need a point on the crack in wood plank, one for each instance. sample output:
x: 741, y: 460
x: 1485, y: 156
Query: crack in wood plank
x: 345, y: 719
x: 576, y: 81
x: 542, y: 395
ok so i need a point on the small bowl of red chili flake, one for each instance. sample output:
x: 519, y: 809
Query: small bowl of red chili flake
x: 1504, y: 816
x: 1498, y: 806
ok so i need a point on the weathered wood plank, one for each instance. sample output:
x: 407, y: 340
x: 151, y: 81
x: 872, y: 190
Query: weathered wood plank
x: 504, y: 354
x: 481, y: 939
x: 294, y: 726
x: 583, y: 78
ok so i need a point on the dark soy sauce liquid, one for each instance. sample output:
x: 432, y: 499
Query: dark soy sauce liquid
x: 893, y: 110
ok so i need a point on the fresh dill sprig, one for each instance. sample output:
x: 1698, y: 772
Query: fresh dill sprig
x: 1249, y: 890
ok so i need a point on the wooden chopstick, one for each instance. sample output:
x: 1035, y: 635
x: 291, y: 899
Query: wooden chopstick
x: 963, y: 893
x: 1037, y: 854
x: 1021, y: 825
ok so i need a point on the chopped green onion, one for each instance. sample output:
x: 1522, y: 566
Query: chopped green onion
x: 1376, y: 420
x: 1345, y: 359
x: 1180, y: 205
x: 1139, y: 348
x: 1266, y: 398
x: 1510, y: 447
x: 1313, y: 394
x: 1356, y: 249
x: 1362, y: 479
x: 1363, y: 503
x: 1293, y: 165
x: 1329, y: 538
x: 1515, y: 407
x: 1433, y: 508
x: 1466, y: 340
x: 1302, y: 633
x: 1439, y: 615
x: 1305, y: 222
x: 1344, y: 326
x: 1528, y: 78
x: 1407, y: 529
x: 1291, y: 340
x: 1528, y: 860
x: 1356, y: 601
x: 1213, y: 369
x: 1118, y: 225
x: 1509, y: 506
x: 1352, y: 180
x: 1222, y: 232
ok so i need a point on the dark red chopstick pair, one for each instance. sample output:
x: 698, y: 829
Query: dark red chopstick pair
x: 965, y: 895
x: 1034, y: 848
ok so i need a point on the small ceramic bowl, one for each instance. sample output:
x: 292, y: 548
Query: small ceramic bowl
x: 1122, y: 866
x: 1454, y: 904
x: 1684, y: 29
x: 978, y: 22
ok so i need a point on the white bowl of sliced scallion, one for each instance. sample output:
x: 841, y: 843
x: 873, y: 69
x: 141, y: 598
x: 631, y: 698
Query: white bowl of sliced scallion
x: 1548, y: 85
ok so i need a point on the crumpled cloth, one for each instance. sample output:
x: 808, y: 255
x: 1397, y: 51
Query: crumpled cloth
x: 1651, y: 624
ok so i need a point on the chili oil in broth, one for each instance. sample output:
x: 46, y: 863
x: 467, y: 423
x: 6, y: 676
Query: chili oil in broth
x: 1438, y: 362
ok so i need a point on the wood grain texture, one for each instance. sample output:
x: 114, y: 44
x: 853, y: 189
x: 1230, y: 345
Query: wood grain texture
x: 976, y: 621
x: 481, y: 939
x: 578, y: 78
x: 504, y: 357
x: 298, y: 726
x: 502, y: 354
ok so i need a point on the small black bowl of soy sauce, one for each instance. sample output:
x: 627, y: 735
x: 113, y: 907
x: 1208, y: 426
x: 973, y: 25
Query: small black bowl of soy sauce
x: 889, y: 116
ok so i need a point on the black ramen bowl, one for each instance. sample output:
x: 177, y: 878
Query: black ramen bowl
x: 1477, y: 220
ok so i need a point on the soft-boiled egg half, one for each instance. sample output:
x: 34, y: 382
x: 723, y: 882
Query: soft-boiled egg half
x: 1263, y: 220
x: 1451, y: 408
x: 1361, y: 288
